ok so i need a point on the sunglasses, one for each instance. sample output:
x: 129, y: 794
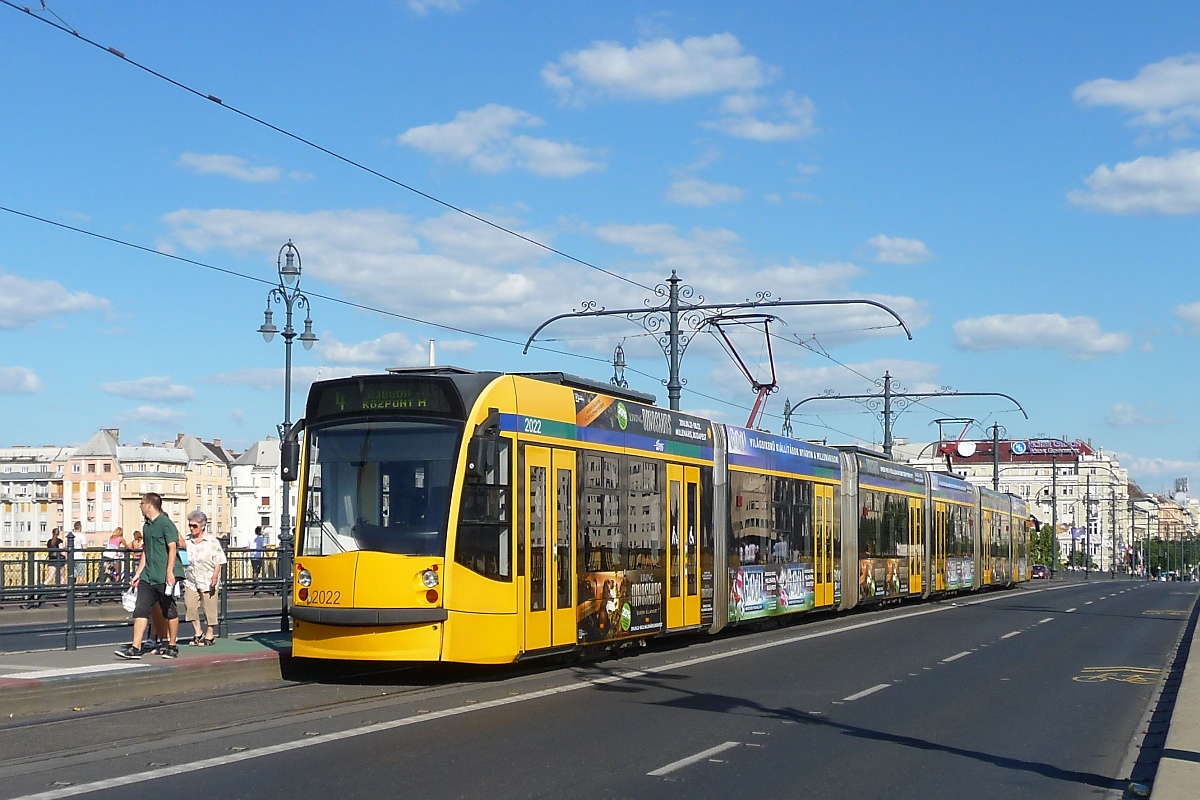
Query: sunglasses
x: 194, y: 526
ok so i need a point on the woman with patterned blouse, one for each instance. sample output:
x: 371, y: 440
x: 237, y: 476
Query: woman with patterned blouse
x: 203, y: 577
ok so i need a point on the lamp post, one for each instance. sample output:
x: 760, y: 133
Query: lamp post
x: 288, y: 295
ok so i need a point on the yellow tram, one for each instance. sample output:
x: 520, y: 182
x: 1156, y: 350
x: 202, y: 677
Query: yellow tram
x: 450, y: 515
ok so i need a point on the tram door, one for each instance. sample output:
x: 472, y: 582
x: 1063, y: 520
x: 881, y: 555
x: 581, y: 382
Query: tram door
x: 677, y: 549
x: 823, y: 555
x: 916, y: 544
x: 550, y: 534
x: 985, y: 546
x: 938, y: 567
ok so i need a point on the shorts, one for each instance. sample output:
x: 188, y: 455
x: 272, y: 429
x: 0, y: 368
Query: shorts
x: 196, y: 601
x: 150, y: 593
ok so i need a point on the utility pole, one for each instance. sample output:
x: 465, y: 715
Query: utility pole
x: 1112, y: 561
x: 887, y: 413
x: 1087, y: 530
x: 996, y: 456
x: 1054, y: 514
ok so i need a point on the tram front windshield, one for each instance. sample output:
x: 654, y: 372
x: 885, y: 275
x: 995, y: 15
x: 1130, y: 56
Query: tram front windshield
x: 382, y: 486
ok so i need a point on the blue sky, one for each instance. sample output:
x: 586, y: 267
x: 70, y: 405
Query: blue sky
x: 1021, y: 184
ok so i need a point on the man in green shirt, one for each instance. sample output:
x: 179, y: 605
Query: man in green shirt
x: 156, y: 578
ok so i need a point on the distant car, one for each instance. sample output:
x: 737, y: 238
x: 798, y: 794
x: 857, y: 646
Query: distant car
x: 1039, y: 571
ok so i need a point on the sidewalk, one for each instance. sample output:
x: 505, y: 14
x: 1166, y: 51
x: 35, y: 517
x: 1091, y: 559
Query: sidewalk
x: 57, y: 680
x: 1178, y: 776
x: 14, y: 617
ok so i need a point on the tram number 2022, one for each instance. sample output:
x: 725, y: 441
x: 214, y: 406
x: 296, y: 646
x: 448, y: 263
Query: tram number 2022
x: 533, y: 425
x: 325, y: 597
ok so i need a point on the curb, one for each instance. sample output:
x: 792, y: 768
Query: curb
x: 22, y: 698
x: 1178, y: 775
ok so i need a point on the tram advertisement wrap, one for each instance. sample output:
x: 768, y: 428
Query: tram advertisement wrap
x: 616, y: 604
x: 763, y: 591
x: 960, y: 573
x: 882, y: 577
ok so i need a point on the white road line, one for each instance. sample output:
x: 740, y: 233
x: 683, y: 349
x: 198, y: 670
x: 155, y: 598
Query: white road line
x: 685, y: 762
x: 1044, y: 621
x: 956, y: 656
x: 60, y: 673
x: 1011, y: 634
x: 865, y: 692
x: 1087, y: 602
x: 310, y: 741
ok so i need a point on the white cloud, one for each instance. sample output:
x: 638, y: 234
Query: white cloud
x: 237, y: 168
x: 1146, y: 185
x: 657, y: 70
x: 486, y: 138
x: 894, y: 250
x: 23, y: 302
x: 19, y: 380
x: 423, y: 7
x: 1164, y: 93
x: 1145, y: 470
x: 739, y: 117
x: 455, y: 271
x: 154, y: 389
x: 1189, y: 313
x: 152, y: 415
x: 799, y: 381
x: 447, y: 269
x: 390, y: 350
x: 700, y: 193
x: 1078, y: 337
x: 272, y: 379
x: 1126, y: 415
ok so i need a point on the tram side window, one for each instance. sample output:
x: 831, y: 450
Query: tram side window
x: 883, y: 525
x: 772, y: 519
x: 602, y: 534
x: 484, y: 542
x: 645, y: 524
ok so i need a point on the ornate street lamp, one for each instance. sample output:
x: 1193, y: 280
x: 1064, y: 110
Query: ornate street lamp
x: 288, y: 295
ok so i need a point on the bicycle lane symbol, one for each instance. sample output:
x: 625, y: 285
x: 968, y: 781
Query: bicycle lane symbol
x: 1134, y: 675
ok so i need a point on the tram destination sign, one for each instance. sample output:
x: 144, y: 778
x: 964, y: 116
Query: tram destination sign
x: 383, y: 395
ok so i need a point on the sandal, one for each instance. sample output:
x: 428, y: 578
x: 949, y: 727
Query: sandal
x: 196, y: 642
x: 209, y: 642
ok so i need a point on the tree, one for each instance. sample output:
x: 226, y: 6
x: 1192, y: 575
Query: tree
x: 1043, y: 547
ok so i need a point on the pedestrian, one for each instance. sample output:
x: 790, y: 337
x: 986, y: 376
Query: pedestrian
x: 56, y: 558
x: 80, y: 558
x: 203, y: 578
x: 256, y: 557
x: 138, y: 543
x: 111, y: 557
x: 155, y: 578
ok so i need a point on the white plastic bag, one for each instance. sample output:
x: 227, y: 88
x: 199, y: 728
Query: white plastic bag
x: 129, y: 599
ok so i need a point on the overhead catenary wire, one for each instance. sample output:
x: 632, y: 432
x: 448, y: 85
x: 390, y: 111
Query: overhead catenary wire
x: 327, y: 151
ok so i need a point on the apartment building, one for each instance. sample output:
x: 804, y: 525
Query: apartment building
x: 31, y: 502
x: 256, y: 493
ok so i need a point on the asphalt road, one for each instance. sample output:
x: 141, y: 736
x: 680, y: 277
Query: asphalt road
x: 1033, y: 693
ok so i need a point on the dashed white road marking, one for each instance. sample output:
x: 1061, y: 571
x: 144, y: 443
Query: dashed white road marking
x: 956, y: 656
x: 1069, y: 611
x: 1087, y: 602
x: 1044, y: 621
x: 1010, y: 634
x: 686, y: 762
x: 865, y: 692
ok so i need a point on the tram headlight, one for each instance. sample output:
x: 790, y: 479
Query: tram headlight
x: 429, y: 578
x: 304, y: 578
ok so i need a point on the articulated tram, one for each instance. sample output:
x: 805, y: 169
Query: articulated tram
x: 480, y: 517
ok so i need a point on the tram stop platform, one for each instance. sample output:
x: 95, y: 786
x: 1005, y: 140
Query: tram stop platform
x: 56, y: 682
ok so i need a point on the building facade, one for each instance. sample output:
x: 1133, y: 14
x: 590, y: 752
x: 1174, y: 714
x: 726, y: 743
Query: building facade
x: 256, y: 493
x: 31, y: 502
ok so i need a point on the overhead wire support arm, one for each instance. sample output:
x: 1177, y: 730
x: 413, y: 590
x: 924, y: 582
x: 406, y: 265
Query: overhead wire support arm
x: 674, y: 324
x: 888, y: 404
